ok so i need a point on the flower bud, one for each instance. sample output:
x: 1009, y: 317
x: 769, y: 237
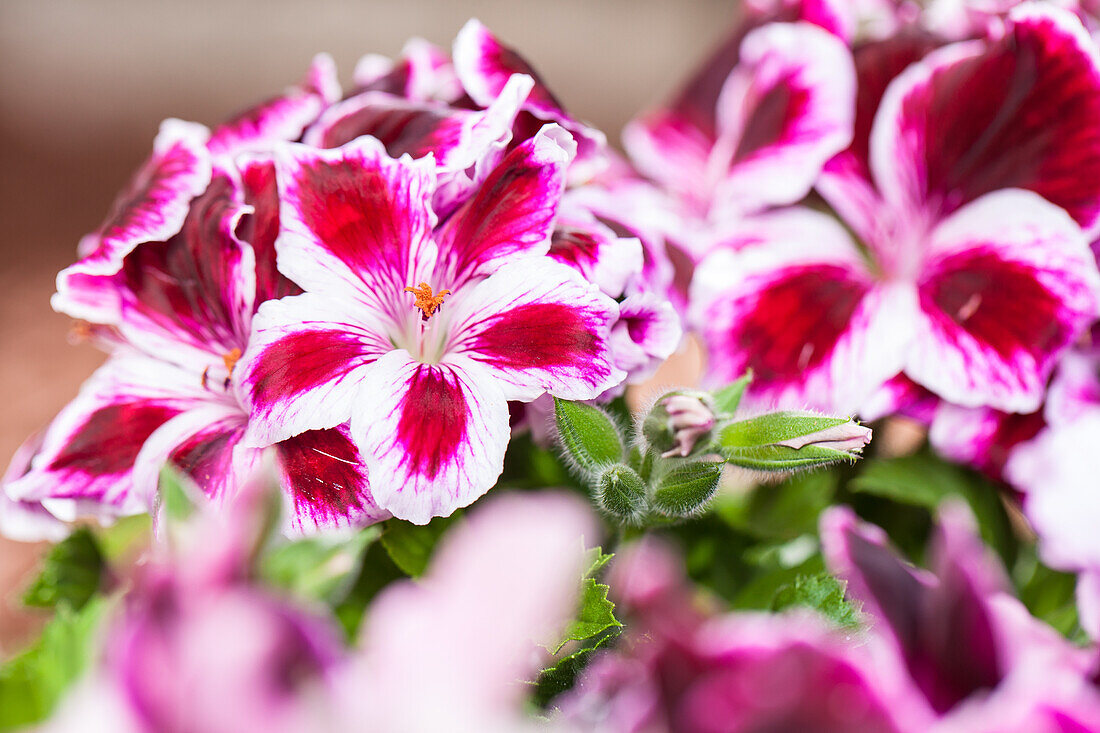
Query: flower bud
x: 781, y: 441
x: 686, y: 489
x: 588, y: 435
x: 622, y: 493
x: 679, y: 423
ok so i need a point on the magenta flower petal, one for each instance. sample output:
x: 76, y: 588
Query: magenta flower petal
x: 594, y: 250
x: 538, y: 327
x: 1007, y: 285
x: 281, y: 118
x: 88, y: 452
x: 981, y: 437
x: 422, y: 73
x: 433, y: 435
x: 484, y: 65
x: 151, y: 208
x: 26, y: 520
x: 1020, y: 110
x: 260, y: 228
x: 352, y: 216
x: 512, y: 212
x: 648, y: 332
x: 798, y: 307
x: 327, y: 480
x: 784, y: 110
x: 304, y: 364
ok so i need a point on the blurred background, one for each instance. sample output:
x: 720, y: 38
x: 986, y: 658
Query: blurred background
x: 85, y: 83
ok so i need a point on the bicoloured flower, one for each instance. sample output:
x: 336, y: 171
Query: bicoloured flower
x: 178, y: 315
x: 753, y: 127
x: 678, y: 668
x: 975, y: 288
x: 421, y: 331
x: 958, y: 631
x: 197, y: 645
x: 26, y: 521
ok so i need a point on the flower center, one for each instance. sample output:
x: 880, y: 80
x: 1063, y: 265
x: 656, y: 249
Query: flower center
x: 425, y: 301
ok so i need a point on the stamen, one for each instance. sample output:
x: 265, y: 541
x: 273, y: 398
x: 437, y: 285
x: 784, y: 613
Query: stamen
x: 231, y: 359
x: 425, y: 301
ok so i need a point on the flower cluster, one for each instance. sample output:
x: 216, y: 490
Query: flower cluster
x: 387, y: 300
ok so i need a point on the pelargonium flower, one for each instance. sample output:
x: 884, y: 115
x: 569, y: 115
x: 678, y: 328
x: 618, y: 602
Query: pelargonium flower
x: 177, y: 315
x: 420, y: 331
x: 753, y: 127
x: 959, y: 632
x: 26, y: 521
x: 197, y: 645
x: 678, y: 668
x: 980, y: 275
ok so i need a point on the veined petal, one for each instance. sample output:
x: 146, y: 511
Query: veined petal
x: 151, y: 208
x: 353, y: 218
x: 784, y: 111
x: 88, y: 452
x: 304, y: 364
x: 1009, y: 283
x: 1020, y: 110
x: 798, y: 307
x: 648, y: 332
x: 484, y: 65
x: 326, y: 480
x: 456, y: 137
x: 433, y: 435
x: 204, y: 444
x: 281, y: 118
x: 594, y: 250
x: 260, y: 226
x: 512, y: 213
x: 537, y: 327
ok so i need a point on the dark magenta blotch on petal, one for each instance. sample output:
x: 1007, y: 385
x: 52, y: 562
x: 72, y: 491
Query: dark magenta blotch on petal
x: 107, y: 443
x: 325, y: 475
x: 434, y: 419
x: 302, y: 361
x: 538, y: 335
x: 1020, y: 115
x: 1001, y: 304
x: 795, y: 322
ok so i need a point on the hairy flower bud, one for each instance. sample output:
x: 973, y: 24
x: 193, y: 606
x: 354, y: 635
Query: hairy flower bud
x: 678, y: 423
x: 780, y: 441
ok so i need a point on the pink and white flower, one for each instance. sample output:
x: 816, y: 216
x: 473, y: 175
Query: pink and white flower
x: 753, y: 128
x: 981, y: 275
x: 420, y: 332
x: 178, y: 315
x: 678, y: 668
x: 960, y: 634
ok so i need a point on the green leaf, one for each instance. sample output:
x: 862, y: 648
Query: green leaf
x: 622, y: 493
x: 562, y: 675
x: 597, y: 559
x: 596, y: 614
x: 411, y: 545
x: 1048, y: 594
x: 376, y: 571
x: 686, y: 488
x: 127, y: 534
x: 71, y: 574
x: 316, y: 568
x: 727, y: 399
x: 176, y: 495
x: 32, y: 682
x: 588, y: 435
x: 925, y: 480
x: 821, y: 592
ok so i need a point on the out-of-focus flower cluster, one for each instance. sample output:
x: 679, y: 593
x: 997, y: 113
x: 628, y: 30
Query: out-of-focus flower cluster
x: 882, y: 210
